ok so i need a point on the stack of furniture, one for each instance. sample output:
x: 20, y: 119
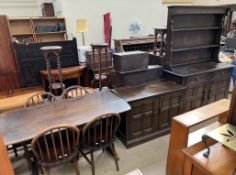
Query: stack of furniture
x: 191, y: 60
x: 192, y: 50
x: 38, y: 29
x: 153, y: 101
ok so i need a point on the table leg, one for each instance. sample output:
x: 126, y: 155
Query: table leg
x: 32, y: 165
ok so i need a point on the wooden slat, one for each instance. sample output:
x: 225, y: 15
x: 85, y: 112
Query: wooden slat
x: 6, y: 167
x: 204, y: 113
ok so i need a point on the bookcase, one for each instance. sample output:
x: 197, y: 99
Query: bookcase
x: 37, y: 29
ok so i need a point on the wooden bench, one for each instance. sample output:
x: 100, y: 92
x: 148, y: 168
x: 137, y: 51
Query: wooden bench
x: 181, y: 136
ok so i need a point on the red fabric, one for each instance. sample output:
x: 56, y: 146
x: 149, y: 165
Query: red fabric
x: 107, y: 29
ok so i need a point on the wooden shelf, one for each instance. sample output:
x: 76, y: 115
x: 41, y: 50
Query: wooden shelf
x: 21, y: 34
x: 197, y: 28
x: 48, y: 18
x: 26, y: 26
x: 195, y: 48
x: 46, y: 33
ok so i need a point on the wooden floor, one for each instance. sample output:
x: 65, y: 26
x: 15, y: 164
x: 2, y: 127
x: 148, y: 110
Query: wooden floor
x: 17, y: 98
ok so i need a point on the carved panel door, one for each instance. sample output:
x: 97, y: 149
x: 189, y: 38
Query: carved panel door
x: 142, y: 117
x: 169, y: 106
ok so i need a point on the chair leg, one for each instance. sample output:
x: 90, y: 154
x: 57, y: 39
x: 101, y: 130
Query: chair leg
x: 92, y: 163
x: 76, y: 167
x: 15, y: 150
x: 46, y: 171
x: 113, y: 149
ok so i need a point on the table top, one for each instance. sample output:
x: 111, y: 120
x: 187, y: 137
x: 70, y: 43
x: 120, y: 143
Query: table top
x: 24, y: 124
x: 64, y: 70
x: 146, y: 90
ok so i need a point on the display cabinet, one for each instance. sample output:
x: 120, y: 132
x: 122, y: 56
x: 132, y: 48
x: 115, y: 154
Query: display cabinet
x: 192, y: 50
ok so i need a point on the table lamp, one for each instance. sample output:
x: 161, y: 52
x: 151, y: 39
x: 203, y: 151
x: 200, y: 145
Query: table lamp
x: 81, y: 27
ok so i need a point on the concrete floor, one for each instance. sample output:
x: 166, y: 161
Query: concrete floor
x: 149, y: 157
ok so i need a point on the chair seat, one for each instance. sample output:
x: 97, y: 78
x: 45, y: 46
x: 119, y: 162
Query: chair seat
x: 90, y: 91
x: 103, y: 76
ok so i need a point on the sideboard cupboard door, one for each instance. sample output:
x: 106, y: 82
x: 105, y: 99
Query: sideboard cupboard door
x: 142, y: 118
x: 193, y: 97
x: 169, y: 106
x: 217, y: 90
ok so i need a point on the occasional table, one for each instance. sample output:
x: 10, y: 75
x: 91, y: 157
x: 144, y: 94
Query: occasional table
x: 67, y: 73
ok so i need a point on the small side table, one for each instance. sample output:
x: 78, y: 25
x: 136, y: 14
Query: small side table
x: 100, y: 48
x: 56, y: 51
x: 67, y: 73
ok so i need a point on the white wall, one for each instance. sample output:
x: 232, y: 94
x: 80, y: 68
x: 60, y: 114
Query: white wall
x: 123, y: 12
x: 150, y: 14
x: 19, y: 7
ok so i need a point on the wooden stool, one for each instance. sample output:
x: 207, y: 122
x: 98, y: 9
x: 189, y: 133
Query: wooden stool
x: 100, y: 76
x: 56, y: 51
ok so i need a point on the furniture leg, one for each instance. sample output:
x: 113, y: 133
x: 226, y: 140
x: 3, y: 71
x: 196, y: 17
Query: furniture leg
x: 92, y: 163
x: 76, y: 167
x: 28, y: 159
x: 15, y: 150
x: 187, y: 166
x: 43, y: 82
x: 113, y: 149
x: 46, y: 171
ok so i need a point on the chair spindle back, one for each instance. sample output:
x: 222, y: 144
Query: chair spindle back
x: 100, y: 132
x: 56, y: 144
x: 74, y: 91
x: 40, y: 98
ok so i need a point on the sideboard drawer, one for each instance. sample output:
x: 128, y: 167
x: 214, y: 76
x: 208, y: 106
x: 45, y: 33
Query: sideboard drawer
x: 222, y: 74
x: 197, y: 79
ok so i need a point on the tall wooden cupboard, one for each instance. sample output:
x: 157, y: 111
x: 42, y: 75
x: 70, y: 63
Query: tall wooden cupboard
x: 8, y: 71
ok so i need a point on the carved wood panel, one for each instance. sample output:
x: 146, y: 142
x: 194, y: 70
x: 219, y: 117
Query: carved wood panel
x: 142, y: 118
x: 169, y: 107
x: 193, y: 97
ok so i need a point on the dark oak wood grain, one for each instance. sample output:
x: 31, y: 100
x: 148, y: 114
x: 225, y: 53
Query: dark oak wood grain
x: 153, y: 106
x: 192, y: 50
x: 71, y: 111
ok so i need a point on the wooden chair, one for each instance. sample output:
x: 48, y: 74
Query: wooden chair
x: 55, y: 146
x: 100, y: 134
x: 74, y: 91
x: 40, y: 98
